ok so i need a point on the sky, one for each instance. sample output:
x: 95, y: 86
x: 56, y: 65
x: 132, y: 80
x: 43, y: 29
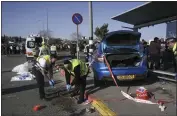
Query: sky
x: 25, y: 18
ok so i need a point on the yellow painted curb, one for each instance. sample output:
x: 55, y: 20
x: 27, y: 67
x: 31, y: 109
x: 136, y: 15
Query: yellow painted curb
x: 102, y: 108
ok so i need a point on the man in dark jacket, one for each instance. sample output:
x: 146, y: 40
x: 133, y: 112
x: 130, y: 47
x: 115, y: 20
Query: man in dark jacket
x: 154, y: 52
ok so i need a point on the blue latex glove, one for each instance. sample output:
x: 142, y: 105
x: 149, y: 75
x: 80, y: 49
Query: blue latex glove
x: 68, y: 87
x: 51, y: 82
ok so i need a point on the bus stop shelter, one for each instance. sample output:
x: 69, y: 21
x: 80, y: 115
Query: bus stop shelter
x: 149, y: 14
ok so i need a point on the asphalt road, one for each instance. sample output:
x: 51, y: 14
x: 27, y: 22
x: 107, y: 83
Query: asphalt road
x: 19, y: 98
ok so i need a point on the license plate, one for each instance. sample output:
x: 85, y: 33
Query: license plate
x: 126, y: 77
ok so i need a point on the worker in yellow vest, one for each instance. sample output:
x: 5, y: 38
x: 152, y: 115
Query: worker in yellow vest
x: 44, y: 50
x: 79, y: 70
x: 53, y: 49
x: 173, y: 45
x: 43, y: 69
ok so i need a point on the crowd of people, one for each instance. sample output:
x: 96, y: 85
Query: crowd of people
x: 160, y: 53
x: 9, y: 49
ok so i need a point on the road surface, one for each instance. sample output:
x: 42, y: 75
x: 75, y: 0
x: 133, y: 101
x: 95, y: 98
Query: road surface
x: 19, y: 98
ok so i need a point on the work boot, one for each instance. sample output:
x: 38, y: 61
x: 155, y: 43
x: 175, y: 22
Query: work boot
x: 80, y: 101
x: 42, y: 97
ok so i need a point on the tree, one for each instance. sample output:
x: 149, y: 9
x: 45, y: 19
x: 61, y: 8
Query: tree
x: 74, y: 36
x: 100, y: 32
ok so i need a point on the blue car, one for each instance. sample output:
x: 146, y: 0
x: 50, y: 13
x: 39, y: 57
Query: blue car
x: 124, y: 53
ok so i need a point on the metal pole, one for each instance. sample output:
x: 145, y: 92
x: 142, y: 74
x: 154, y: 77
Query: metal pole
x: 77, y: 42
x: 47, y: 27
x: 43, y: 26
x: 91, y: 29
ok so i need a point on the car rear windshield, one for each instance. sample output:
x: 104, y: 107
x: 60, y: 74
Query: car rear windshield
x: 122, y: 39
x: 31, y: 44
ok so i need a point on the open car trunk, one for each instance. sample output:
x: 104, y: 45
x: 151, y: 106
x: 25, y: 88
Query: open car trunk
x: 124, y: 60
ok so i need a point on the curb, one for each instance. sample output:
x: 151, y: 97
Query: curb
x: 100, y: 106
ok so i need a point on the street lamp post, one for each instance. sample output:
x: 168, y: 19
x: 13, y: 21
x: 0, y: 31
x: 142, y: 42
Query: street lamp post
x: 91, y: 29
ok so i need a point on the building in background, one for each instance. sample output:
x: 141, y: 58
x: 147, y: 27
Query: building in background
x: 171, y: 30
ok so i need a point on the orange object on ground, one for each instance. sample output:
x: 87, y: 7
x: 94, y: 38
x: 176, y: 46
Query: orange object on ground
x: 37, y: 107
x: 142, y: 93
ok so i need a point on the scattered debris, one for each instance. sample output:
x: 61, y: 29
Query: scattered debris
x: 161, y: 106
x: 90, y: 110
x: 142, y: 93
x: 38, y: 107
x: 136, y: 100
x: 87, y: 102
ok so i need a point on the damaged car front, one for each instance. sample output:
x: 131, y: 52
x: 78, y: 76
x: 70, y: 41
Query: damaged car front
x: 124, y: 54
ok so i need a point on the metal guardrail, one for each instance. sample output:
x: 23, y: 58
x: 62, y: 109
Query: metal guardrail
x: 164, y: 72
x: 168, y: 79
x: 169, y: 75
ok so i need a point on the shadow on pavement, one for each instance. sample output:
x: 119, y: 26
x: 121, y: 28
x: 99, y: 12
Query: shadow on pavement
x: 152, y: 78
x: 6, y: 71
x: 81, y: 113
x: 23, y: 88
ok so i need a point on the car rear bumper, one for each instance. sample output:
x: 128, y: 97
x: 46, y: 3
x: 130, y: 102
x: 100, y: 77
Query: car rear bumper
x: 139, y: 72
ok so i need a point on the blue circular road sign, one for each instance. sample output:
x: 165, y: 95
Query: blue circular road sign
x: 77, y: 18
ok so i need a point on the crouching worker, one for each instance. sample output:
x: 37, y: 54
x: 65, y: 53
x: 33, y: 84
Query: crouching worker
x: 79, y: 70
x: 43, y: 69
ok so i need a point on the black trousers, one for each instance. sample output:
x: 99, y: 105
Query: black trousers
x: 40, y: 81
x: 80, y: 85
x: 154, y: 59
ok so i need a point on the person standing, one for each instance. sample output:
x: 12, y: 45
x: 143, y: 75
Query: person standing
x: 173, y: 45
x: 53, y: 49
x: 44, y: 50
x: 154, y: 53
x: 17, y: 49
x: 11, y: 49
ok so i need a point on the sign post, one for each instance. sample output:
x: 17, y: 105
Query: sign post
x: 77, y: 19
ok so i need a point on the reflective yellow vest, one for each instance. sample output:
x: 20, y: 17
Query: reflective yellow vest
x: 44, y: 50
x: 46, y: 57
x: 83, y: 66
x: 175, y: 49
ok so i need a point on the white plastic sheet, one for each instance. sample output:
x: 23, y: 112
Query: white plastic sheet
x: 23, y: 74
x: 136, y: 100
x: 20, y: 69
x: 26, y: 76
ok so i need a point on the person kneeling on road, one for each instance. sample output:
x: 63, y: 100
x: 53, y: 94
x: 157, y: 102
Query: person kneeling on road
x: 43, y: 69
x: 79, y: 70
